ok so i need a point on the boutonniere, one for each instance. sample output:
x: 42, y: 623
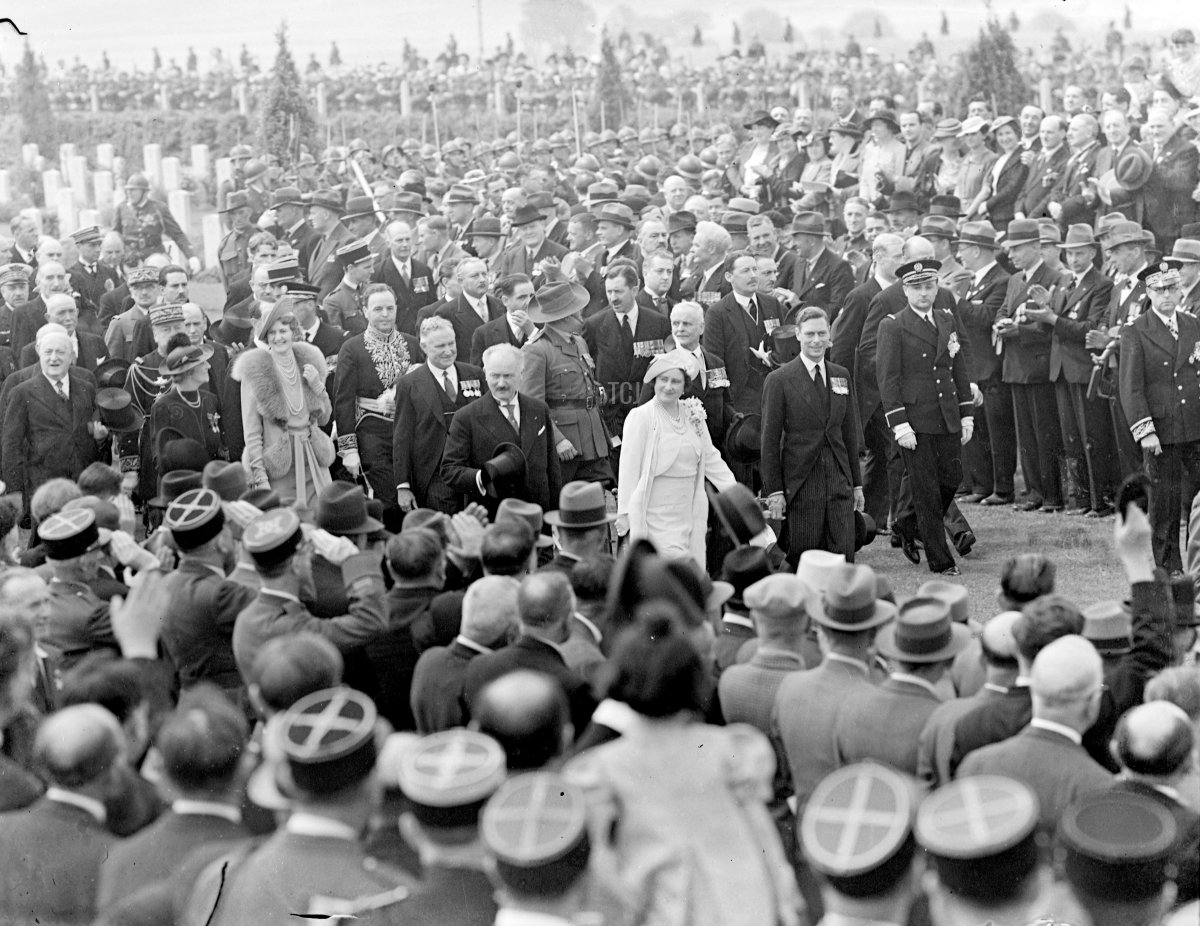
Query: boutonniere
x: 952, y: 345
x: 1195, y: 358
x: 694, y: 409
x: 470, y: 388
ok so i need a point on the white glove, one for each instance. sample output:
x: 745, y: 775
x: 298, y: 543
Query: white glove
x: 240, y: 513
x: 906, y: 437
x: 968, y: 430
x: 353, y: 463
x: 128, y: 553
x: 194, y: 265
x: 976, y: 395
x: 335, y: 549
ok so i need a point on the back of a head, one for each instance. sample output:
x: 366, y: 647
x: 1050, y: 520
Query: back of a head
x: 590, y: 577
x: 78, y: 745
x: 1180, y: 685
x: 545, y: 599
x: 202, y: 740
x: 287, y: 668
x: 104, y: 678
x: 527, y: 713
x: 1065, y: 672
x: 50, y: 497
x: 489, y: 610
x: 998, y: 642
x: 654, y: 668
x: 1154, y: 739
x: 414, y: 555
x: 16, y: 653
x: 100, y: 479
x: 506, y: 548
x: 1043, y: 621
x: 1026, y: 577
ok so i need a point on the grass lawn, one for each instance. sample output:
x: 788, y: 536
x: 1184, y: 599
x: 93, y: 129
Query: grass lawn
x: 1081, y: 548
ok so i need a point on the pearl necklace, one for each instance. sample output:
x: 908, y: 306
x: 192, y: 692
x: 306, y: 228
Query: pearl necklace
x: 291, y: 382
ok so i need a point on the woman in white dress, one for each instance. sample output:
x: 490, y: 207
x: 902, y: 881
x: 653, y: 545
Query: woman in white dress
x: 666, y: 455
x: 284, y: 404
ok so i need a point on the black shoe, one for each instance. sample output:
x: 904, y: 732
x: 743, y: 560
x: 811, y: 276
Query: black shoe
x: 1103, y: 511
x: 974, y: 498
x: 1077, y: 512
x: 896, y: 541
x: 1050, y: 509
x: 995, y: 499
x: 949, y: 571
x: 908, y: 546
x: 963, y: 542
x: 1028, y: 506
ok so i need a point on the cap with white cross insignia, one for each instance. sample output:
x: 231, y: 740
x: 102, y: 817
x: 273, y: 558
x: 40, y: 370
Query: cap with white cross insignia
x: 328, y: 738
x: 535, y: 826
x: 194, y: 518
x: 71, y: 533
x: 448, y: 776
x: 981, y: 833
x: 857, y: 828
x: 273, y: 536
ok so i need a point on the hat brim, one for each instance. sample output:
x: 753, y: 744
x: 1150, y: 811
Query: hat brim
x: 577, y: 303
x: 206, y: 354
x: 884, y: 611
x: 367, y: 526
x: 227, y: 209
x: 553, y: 517
x: 731, y: 444
x: 913, y: 206
x: 979, y: 242
x: 139, y: 418
x: 885, y: 645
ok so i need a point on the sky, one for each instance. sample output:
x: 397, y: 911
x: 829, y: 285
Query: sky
x: 373, y: 30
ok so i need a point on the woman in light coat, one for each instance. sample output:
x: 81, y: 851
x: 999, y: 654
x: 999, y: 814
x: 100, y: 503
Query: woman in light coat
x: 284, y: 404
x: 666, y: 454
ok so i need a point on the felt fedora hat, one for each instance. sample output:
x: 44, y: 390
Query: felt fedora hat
x: 557, y: 300
x: 514, y: 509
x: 923, y: 631
x: 850, y: 601
x: 526, y: 215
x: 1133, y: 168
x: 342, y: 510
x: 981, y: 234
x: 580, y: 505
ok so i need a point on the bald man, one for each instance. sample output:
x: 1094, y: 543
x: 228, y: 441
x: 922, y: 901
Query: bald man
x: 1071, y: 199
x: 89, y: 350
x: 1048, y: 755
x: 49, y: 428
x: 995, y: 651
x: 526, y: 713
x: 1155, y: 746
x: 50, y: 853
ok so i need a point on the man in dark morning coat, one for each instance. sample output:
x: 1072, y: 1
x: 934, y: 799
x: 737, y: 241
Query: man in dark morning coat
x: 503, y: 417
x: 423, y: 413
x: 810, y: 436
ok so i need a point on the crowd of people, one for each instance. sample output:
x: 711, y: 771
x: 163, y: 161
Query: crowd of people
x: 489, y: 555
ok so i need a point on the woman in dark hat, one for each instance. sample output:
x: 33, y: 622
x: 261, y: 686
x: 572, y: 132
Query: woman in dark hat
x: 666, y: 456
x: 844, y: 147
x: 759, y: 157
x: 187, y: 406
x: 284, y: 403
x: 882, y: 156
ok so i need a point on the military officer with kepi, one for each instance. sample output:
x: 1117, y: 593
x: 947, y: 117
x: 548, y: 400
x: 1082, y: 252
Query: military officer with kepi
x: 926, y: 396
x: 314, y: 865
x: 1160, y: 393
x: 560, y: 370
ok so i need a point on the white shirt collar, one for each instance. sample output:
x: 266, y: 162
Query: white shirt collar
x: 472, y: 645
x: 479, y: 305
x: 743, y: 301
x: 848, y: 660
x: 90, y: 804
x: 189, y: 808
x: 404, y: 266
x: 301, y: 823
x: 1070, y: 733
x: 507, y: 917
x: 632, y: 315
x: 1173, y: 318
x: 66, y: 383
x: 279, y: 593
x: 998, y: 689
x: 983, y: 271
x: 438, y: 374
x: 738, y: 620
x: 1034, y: 269
x: 916, y: 680
x: 810, y: 366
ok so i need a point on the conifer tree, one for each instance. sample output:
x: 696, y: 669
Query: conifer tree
x: 286, y: 120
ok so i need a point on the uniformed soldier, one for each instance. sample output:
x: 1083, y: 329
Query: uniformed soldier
x: 535, y: 833
x: 447, y: 777
x: 1118, y: 847
x: 1160, y: 394
x: 233, y: 253
x: 980, y: 835
x: 238, y: 156
x: 14, y: 291
x: 144, y: 288
x: 856, y: 833
x: 78, y: 619
x: 314, y: 866
x: 143, y: 223
x: 90, y: 278
x: 560, y: 370
x: 345, y: 304
x: 927, y: 401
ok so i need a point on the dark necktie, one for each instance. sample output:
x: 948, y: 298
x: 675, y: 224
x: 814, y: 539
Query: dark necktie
x: 819, y: 380
x: 448, y: 385
x: 752, y: 310
x: 626, y: 332
x: 512, y: 418
x: 58, y: 387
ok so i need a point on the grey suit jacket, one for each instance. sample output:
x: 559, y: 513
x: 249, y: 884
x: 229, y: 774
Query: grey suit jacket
x: 883, y: 724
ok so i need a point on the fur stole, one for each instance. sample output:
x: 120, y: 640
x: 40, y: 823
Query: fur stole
x: 256, y: 367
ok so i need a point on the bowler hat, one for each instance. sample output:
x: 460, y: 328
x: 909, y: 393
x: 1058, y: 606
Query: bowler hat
x: 850, y: 602
x: 580, y: 505
x: 111, y: 373
x: 739, y: 512
x: 743, y: 442
x: 342, y: 510
x: 525, y: 215
x: 238, y: 199
x: 1133, y: 168
x: 117, y: 411
x: 922, y: 632
x: 557, y: 300
x: 504, y: 472
x: 327, y: 199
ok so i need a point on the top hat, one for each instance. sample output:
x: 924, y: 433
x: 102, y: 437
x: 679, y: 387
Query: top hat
x: 785, y: 344
x: 864, y: 530
x: 743, y: 441
x: 580, y: 505
x: 742, y: 567
x: 557, y: 300
x: 111, y: 373
x: 327, y: 199
x: 850, y: 602
x: 922, y: 632
x: 526, y: 215
x: 117, y: 411
x: 504, y: 471
x: 342, y: 510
